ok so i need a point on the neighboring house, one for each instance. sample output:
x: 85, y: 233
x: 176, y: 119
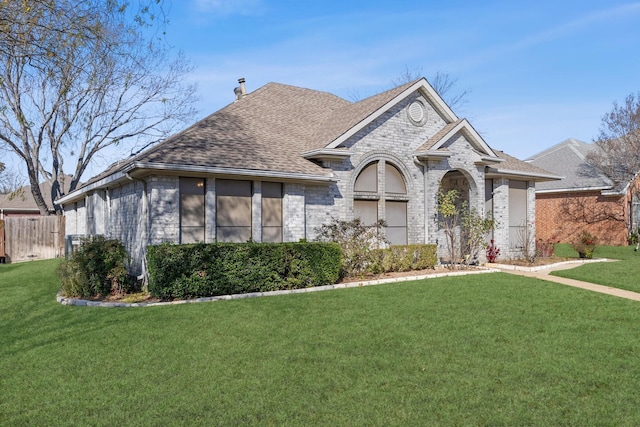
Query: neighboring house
x: 279, y: 162
x: 584, y: 199
x: 25, y: 234
x: 22, y: 203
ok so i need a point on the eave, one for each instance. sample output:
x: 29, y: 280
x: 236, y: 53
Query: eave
x: 138, y: 170
x: 327, y: 154
x: 432, y: 155
x: 502, y: 173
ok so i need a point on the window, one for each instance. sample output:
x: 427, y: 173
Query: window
x: 369, y: 199
x: 271, y: 212
x: 233, y: 210
x: 517, y: 213
x: 192, y: 210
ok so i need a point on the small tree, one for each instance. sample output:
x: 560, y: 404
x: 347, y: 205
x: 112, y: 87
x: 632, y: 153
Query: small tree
x: 356, y: 240
x: 526, y: 241
x: 475, y: 229
x: 450, y: 219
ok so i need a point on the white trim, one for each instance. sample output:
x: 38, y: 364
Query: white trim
x: 327, y: 153
x: 577, y: 189
x: 506, y: 173
x: 475, y: 136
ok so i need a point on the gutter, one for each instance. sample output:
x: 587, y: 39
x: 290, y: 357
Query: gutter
x: 187, y: 169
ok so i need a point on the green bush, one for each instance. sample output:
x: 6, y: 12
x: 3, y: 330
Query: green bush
x: 97, y: 268
x: 202, y: 270
x: 357, y: 241
x: 403, y: 258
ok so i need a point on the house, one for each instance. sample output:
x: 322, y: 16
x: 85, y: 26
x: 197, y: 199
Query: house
x: 22, y: 203
x: 584, y: 199
x: 24, y: 233
x: 280, y: 161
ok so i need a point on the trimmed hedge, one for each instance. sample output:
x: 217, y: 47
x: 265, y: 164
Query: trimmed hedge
x: 203, y: 270
x: 403, y: 258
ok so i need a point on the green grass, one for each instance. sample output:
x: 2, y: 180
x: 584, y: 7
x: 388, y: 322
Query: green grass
x: 623, y: 273
x: 491, y: 349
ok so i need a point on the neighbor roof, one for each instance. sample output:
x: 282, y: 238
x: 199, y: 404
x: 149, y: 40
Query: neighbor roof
x: 569, y: 160
x: 22, y: 200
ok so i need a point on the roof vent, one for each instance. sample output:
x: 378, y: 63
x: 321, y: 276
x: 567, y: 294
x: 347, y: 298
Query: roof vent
x: 241, y: 90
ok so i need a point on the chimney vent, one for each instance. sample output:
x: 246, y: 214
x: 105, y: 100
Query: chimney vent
x: 241, y: 90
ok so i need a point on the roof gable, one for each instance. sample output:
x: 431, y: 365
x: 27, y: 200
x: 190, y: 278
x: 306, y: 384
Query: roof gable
x: 568, y: 159
x: 350, y: 119
x: 440, y: 138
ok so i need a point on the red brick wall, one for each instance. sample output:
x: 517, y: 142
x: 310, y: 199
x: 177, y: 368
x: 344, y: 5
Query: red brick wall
x: 560, y: 216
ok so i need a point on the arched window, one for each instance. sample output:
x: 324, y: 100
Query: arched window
x: 380, y: 192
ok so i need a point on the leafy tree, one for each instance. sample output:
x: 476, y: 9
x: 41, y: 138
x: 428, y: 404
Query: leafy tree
x: 618, y: 156
x: 77, y: 77
x: 464, y: 228
x: 475, y: 228
x: 450, y: 214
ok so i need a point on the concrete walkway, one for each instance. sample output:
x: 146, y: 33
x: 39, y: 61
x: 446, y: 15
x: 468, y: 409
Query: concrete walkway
x: 542, y: 272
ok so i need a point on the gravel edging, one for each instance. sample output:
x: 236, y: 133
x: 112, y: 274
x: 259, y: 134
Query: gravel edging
x: 87, y: 303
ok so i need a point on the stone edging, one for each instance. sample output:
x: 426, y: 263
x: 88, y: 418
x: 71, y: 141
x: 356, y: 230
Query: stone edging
x: 86, y: 303
x: 544, y: 267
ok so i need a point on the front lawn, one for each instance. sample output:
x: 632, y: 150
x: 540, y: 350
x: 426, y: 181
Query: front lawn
x: 623, y: 274
x: 490, y: 349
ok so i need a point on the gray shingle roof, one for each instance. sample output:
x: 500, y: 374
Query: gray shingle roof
x: 568, y: 159
x: 265, y: 130
x: 438, y: 136
x: 512, y: 164
x: 23, y: 200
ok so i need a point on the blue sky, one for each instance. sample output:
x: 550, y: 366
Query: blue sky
x: 537, y: 72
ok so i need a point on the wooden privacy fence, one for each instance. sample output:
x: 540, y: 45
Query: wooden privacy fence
x: 29, y: 238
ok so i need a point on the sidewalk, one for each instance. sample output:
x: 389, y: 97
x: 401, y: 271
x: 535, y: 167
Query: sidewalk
x: 542, y: 273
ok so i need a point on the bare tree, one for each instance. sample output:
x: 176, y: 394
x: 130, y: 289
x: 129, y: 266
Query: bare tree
x: 77, y: 77
x: 618, y: 156
x: 442, y: 83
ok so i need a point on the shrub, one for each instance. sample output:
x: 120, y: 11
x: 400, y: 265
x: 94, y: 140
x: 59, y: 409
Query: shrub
x: 546, y: 248
x: 356, y: 240
x: 403, y: 258
x: 585, y: 244
x: 493, y: 252
x: 97, y: 268
x: 203, y: 270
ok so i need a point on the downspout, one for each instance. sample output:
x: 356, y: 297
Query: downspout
x: 424, y: 194
x: 144, y: 276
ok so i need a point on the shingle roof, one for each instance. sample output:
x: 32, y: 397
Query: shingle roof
x: 438, y: 136
x: 568, y: 159
x: 265, y: 130
x: 22, y: 200
x: 291, y: 121
x: 513, y: 164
